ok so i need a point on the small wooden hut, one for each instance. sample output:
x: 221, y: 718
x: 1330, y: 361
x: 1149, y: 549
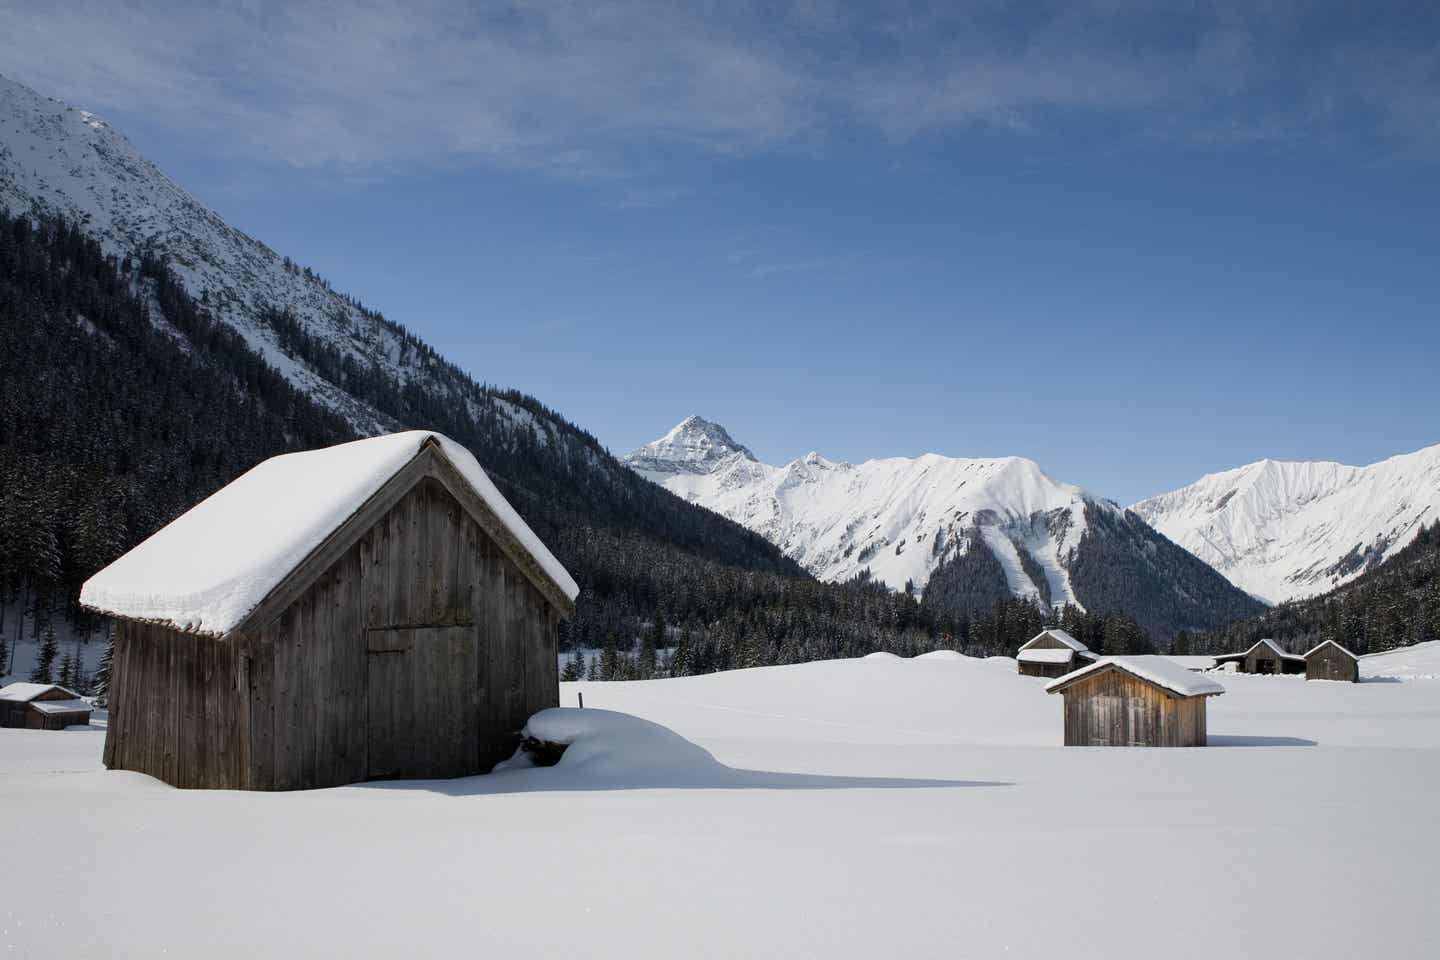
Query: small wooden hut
x: 1052, y: 653
x: 367, y: 611
x: 1135, y: 702
x: 42, y: 706
x: 1265, y: 657
x: 1328, y: 660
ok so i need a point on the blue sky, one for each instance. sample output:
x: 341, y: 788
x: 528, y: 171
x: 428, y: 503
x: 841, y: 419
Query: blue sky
x: 1136, y: 246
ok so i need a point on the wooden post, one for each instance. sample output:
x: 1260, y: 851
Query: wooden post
x: 582, y: 699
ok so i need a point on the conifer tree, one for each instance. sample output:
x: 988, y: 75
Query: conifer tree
x: 68, y: 669
x: 610, y: 658
x: 101, y: 680
x: 44, y: 671
x: 574, y: 667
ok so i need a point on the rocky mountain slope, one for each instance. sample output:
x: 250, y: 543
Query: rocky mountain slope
x: 1282, y: 530
x: 187, y: 267
x: 982, y: 528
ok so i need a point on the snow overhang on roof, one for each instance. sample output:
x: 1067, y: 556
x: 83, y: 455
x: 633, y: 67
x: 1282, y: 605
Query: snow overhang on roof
x: 211, y: 566
x: 1275, y: 648
x: 1045, y: 656
x: 61, y: 706
x: 25, y: 692
x: 1161, y: 671
x: 1330, y: 643
x: 1057, y: 634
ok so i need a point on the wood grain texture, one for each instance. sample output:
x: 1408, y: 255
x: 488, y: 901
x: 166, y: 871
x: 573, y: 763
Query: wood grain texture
x: 1329, y: 662
x: 1116, y: 709
x: 418, y: 650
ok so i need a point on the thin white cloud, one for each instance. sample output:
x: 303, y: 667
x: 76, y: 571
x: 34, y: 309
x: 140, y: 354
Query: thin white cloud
x: 586, y: 91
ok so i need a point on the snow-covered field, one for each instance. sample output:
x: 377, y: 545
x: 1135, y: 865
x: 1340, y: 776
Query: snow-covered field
x: 874, y: 807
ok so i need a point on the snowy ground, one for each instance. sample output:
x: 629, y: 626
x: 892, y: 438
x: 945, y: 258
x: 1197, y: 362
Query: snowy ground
x: 875, y: 807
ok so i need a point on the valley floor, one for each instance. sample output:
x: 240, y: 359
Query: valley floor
x: 916, y: 808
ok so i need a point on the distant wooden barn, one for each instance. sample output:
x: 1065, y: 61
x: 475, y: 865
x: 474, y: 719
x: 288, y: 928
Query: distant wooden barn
x: 1330, y: 661
x: 1135, y: 702
x: 1265, y: 657
x: 1052, y: 653
x: 371, y: 610
x: 42, y: 706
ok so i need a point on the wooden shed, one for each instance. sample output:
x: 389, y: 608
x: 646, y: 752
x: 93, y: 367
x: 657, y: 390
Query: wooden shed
x: 1328, y: 660
x: 367, y: 611
x: 1265, y: 657
x: 42, y: 706
x: 1135, y: 702
x: 1052, y: 653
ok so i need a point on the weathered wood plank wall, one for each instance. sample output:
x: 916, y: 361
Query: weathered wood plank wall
x: 1113, y: 708
x: 420, y: 651
x: 1330, y: 663
x: 172, y: 707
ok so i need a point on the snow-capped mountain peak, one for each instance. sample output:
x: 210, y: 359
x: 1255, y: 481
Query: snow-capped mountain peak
x: 1288, y: 529
x: 693, y: 446
x: 1019, y: 531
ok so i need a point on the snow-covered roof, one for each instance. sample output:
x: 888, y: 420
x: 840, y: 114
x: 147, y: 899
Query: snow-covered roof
x: 61, y: 706
x: 212, y: 565
x: 1045, y: 656
x: 1161, y: 671
x: 1057, y: 634
x: 25, y: 692
x: 1332, y: 643
x: 1267, y: 642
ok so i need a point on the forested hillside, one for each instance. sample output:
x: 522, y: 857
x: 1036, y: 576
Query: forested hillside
x: 1393, y: 605
x: 122, y: 403
x: 111, y: 424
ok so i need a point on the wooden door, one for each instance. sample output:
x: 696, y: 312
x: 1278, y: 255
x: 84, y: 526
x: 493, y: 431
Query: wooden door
x: 424, y: 702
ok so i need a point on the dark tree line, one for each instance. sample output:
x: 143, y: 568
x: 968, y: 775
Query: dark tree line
x: 1393, y: 605
x: 110, y: 426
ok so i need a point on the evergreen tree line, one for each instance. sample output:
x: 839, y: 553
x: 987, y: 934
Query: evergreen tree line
x: 111, y: 425
x: 1393, y: 605
x: 704, y: 616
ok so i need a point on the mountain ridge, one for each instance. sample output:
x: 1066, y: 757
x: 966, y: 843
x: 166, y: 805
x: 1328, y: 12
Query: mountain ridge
x: 65, y: 171
x: 1285, y: 530
x: 905, y: 520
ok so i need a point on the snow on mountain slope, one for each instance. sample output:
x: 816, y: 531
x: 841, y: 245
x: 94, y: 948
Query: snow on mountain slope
x: 1287, y: 530
x: 966, y: 531
x: 899, y: 517
x: 55, y: 159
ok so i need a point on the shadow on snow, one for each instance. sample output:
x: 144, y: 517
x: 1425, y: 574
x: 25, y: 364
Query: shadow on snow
x: 1219, y: 740
x: 553, y: 779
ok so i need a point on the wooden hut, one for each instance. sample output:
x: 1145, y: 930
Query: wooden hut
x: 1135, y: 702
x: 1052, y: 653
x: 1264, y: 657
x: 42, y: 706
x: 1330, y: 661
x: 371, y: 610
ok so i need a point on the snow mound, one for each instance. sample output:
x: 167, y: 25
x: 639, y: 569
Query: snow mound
x: 948, y: 655
x: 881, y: 655
x: 1418, y: 662
x: 605, y: 745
